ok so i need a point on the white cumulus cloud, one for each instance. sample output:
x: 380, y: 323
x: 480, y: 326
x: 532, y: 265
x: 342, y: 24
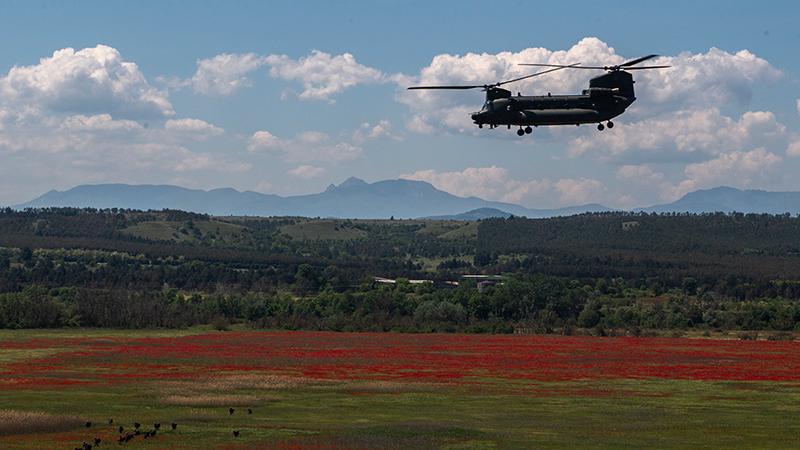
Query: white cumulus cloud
x: 489, y: 182
x: 90, y: 81
x: 321, y: 74
x: 264, y: 140
x: 688, y: 131
x: 306, y: 172
x: 194, y: 128
x: 794, y: 147
x: 716, y: 76
x: 223, y: 74
x: 380, y: 130
x: 98, y: 122
x: 641, y: 172
x: 309, y: 146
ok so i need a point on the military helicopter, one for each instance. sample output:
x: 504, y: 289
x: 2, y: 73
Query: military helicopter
x: 607, y: 97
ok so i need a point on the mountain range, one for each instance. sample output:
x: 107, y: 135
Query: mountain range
x: 354, y: 198
x: 357, y: 199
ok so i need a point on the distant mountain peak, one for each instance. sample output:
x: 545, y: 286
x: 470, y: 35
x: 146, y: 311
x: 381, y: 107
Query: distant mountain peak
x: 352, y: 182
x: 225, y: 190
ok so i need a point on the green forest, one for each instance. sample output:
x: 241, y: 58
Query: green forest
x: 597, y: 273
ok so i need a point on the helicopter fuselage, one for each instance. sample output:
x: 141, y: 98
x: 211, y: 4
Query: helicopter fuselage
x: 607, y: 97
x: 551, y: 109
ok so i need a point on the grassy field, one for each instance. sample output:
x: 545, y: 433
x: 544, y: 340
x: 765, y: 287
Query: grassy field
x: 449, y: 229
x: 180, y: 232
x: 347, y: 390
x: 322, y: 230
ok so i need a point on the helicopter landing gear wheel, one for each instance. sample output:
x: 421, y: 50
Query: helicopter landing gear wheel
x: 528, y: 130
x: 610, y: 124
x: 520, y: 132
x: 600, y: 127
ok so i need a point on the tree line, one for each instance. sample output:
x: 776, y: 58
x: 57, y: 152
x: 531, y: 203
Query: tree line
x: 543, y: 304
x: 83, y: 267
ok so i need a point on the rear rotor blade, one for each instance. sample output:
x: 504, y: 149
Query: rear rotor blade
x: 448, y: 87
x: 571, y: 66
x: 624, y: 66
x: 535, y: 74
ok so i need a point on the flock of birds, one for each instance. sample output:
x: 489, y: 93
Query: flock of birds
x: 127, y: 436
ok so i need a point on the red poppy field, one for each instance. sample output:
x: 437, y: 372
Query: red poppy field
x: 373, y: 390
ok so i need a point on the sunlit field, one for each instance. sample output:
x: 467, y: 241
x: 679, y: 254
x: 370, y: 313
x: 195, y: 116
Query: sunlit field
x: 387, y: 390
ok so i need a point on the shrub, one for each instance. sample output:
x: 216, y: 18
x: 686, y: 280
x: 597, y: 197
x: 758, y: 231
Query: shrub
x: 781, y: 336
x: 748, y: 336
x: 221, y: 324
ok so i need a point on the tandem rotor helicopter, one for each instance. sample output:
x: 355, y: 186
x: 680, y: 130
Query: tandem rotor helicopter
x: 607, y: 97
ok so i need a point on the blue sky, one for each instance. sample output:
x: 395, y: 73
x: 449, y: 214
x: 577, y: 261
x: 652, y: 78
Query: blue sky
x: 288, y: 97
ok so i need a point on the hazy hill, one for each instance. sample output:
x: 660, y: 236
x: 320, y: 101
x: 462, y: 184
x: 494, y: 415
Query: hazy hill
x: 475, y: 214
x: 353, y: 198
x: 728, y: 199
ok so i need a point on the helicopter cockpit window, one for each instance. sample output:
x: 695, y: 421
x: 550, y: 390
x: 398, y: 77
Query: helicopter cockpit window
x: 487, y: 106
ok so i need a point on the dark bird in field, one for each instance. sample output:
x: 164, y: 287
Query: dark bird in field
x: 136, y: 425
x: 110, y: 421
x: 174, y: 425
x: 249, y: 411
x: 157, y: 426
x: 97, y: 441
x: 120, y: 429
x: 88, y: 424
x: 231, y: 410
x: 235, y: 433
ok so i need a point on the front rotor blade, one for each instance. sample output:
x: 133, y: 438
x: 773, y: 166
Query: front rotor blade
x: 637, y: 60
x: 447, y: 87
x: 646, y: 67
